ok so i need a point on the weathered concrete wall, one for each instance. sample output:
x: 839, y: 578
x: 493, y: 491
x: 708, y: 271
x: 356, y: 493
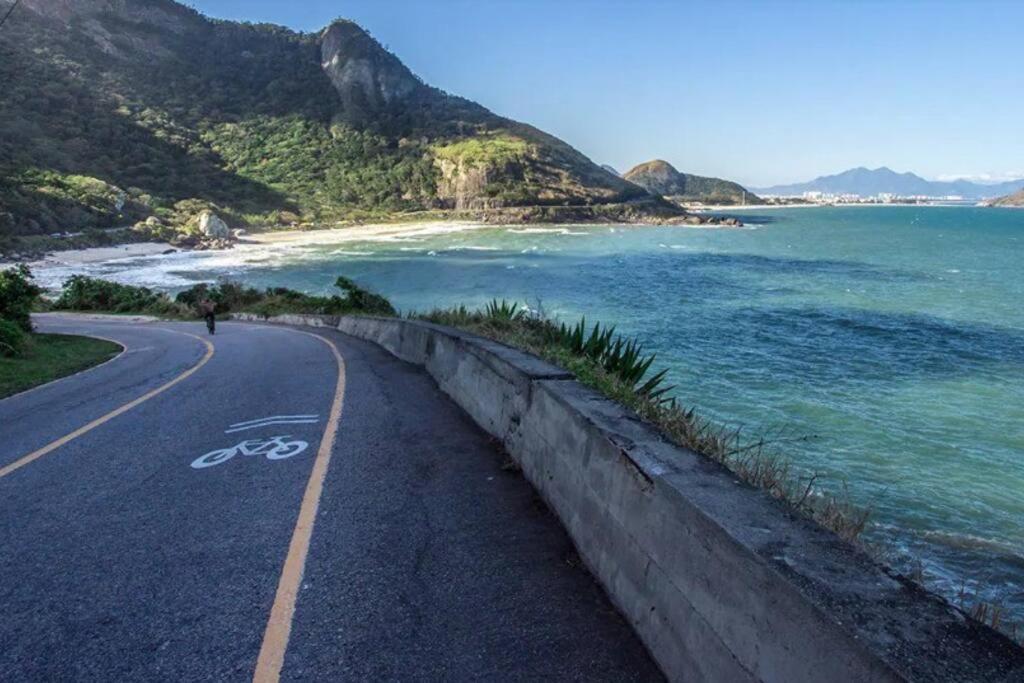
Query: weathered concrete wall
x: 721, y: 582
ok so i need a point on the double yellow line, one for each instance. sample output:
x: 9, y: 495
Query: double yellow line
x: 54, y: 445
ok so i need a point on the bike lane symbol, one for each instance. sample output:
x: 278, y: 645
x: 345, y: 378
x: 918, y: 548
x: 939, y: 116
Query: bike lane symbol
x: 274, y: 448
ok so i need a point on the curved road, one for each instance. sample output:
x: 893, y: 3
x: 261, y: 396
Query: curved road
x: 122, y: 558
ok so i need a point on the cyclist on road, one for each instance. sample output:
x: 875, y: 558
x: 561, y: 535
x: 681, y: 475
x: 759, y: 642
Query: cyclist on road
x: 207, y: 309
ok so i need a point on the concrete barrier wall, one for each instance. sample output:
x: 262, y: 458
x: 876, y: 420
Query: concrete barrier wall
x: 720, y: 581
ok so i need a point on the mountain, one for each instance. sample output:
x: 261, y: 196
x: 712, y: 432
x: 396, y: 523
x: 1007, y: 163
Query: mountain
x: 660, y: 177
x: 870, y: 182
x: 118, y: 110
x: 1016, y: 199
x: 611, y: 169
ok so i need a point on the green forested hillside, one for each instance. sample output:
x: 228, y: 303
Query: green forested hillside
x: 660, y: 177
x: 116, y: 110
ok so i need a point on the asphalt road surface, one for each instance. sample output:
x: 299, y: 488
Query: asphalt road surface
x: 157, y: 524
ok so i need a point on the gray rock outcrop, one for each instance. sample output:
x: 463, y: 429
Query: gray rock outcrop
x: 210, y: 225
x: 366, y: 77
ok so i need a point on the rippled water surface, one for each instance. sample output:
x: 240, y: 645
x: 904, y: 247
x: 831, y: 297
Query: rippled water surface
x: 890, y: 339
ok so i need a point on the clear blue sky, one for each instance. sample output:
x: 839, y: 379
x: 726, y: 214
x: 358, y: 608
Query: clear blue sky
x: 759, y: 92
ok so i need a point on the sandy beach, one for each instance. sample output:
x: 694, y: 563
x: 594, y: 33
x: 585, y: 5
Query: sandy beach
x: 102, y: 254
x: 373, y: 231
x: 325, y: 236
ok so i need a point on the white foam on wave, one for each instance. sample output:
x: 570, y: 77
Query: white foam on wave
x: 185, y: 268
x: 547, y: 231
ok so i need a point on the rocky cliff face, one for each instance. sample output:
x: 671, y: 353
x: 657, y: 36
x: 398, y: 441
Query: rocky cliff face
x: 367, y: 77
x: 99, y: 21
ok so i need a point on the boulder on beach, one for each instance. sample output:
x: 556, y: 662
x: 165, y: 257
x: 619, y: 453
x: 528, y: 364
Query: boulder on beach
x: 210, y: 225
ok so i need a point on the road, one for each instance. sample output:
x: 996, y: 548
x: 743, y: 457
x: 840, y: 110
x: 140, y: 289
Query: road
x: 123, y: 558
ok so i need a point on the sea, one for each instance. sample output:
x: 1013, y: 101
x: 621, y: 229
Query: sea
x: 879, y: 348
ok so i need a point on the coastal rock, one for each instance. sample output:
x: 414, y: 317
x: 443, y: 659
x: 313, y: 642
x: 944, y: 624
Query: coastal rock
x: 366, y: 77
x: 153, y: 222
x: 1016, y: 200
x: 462, y: 184
x: 210, y: 225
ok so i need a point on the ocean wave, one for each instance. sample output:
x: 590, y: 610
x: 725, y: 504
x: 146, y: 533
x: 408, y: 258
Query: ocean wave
x: 959, y: 540
x: 546, y: 231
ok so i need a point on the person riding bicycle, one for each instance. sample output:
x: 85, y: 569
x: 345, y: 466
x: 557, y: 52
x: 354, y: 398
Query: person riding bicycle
x: 207, y: 309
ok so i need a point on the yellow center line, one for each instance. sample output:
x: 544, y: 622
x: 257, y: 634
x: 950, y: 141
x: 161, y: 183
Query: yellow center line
x: 279, y: 625
x: 49, y: 448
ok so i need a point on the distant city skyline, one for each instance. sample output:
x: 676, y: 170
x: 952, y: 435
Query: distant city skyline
x: 762, y: 93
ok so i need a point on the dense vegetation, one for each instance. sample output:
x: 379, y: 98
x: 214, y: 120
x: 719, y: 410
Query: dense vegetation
x: 110, y: 116
x: 81, y: 293
x: 18, y: 295
x: 28, y: 359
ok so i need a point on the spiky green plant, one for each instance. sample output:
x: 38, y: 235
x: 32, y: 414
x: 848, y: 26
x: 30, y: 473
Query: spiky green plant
x: 504, y: 311
x: 623, y: 358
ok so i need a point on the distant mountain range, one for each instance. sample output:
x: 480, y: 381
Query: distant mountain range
x: 869, y: 182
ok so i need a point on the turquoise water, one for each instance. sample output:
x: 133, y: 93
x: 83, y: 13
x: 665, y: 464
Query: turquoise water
x: 882, y: 347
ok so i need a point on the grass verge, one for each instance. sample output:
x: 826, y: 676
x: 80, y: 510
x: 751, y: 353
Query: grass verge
x: 52, y: 356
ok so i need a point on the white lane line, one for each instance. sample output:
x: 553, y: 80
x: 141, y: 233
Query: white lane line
x: 275, y: 417
x: 272, y: 422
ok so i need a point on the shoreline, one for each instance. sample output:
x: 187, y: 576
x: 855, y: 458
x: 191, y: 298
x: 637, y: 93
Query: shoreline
x: 838, y: 205
x: 326, y: 236
x: 89, y: 255
x: 385, y: 231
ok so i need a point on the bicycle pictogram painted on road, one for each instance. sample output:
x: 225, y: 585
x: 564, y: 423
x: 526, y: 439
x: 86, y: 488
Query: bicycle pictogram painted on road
x: 274, y: 448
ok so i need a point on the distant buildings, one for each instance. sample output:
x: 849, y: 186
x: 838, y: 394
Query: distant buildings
x: 833, y: 198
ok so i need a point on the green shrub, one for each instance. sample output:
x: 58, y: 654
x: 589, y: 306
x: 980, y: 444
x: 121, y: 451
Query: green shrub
x: 359, y: 300
x: 83, y: 293
x: 17, y: 294
x: 227, y: 296
x: 13, y: 339
x: 231, y: 296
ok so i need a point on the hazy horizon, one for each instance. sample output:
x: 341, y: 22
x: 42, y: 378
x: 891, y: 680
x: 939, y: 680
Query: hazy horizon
x: 760, y: 93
